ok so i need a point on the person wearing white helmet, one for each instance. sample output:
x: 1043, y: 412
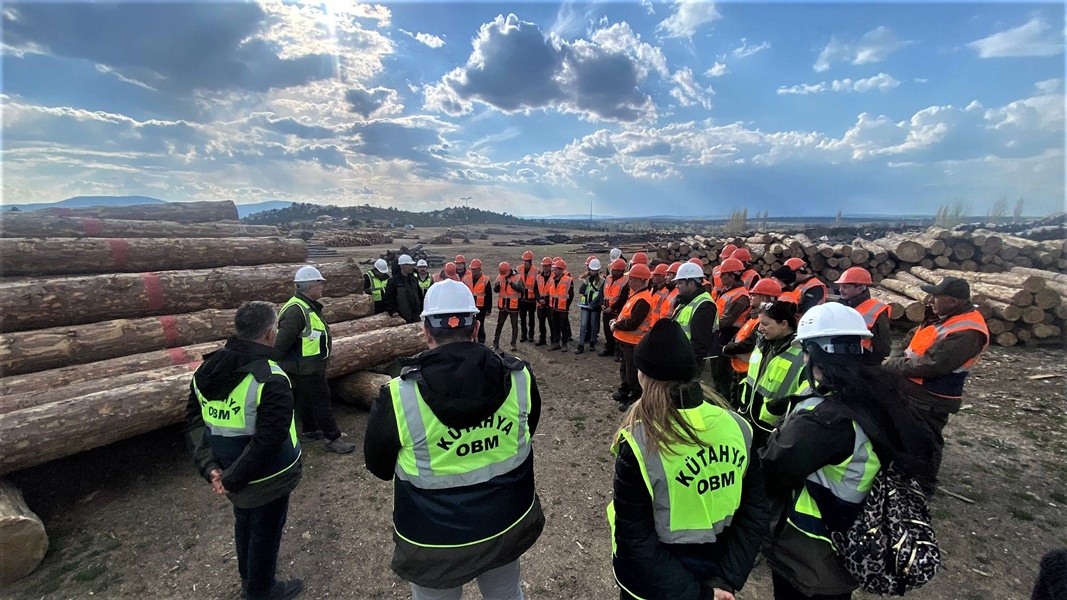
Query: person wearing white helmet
x: 822, y: 458
x: 590, y: 299
x: 403, y: 296
x: 304, y: 344
x: 453, y: 433
x: 423, y: 275
x: 374, y: 282
x: 695, y: 312
x: 615, y: 254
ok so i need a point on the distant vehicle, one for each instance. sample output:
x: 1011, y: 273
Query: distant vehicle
x: 409, y: 226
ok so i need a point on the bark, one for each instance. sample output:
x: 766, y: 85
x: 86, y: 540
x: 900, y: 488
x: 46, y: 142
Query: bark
x: 903, y: 249
x: 1046, y: 299
x: 71, y: 256
x: 909, y: 308
x: 1006, y: 339
x: 359, y: 389
x: 63, y: 301
x: 36, y: 224
x: 183, y: 212
x: 906, y: 289
x: 23, y: 540
x: 1028, y: 283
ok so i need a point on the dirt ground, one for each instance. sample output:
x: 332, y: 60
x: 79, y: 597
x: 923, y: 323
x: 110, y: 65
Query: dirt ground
x: 133, y: 520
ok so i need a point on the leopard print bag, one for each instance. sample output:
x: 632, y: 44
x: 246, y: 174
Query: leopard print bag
x: 891, y: 548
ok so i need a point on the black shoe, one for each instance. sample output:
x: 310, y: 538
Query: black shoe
x: 540, y: 342
x: 311, y: 436
x: 523, y: 339
x: 618, y: 359
x: 282, y: 590
x: 619, y: 396
x: 606, y: 352
x: 564, y: 347
x: 624, y: 406
x: 514, y: 348
x: 580, y: 349
x: 554, y: 346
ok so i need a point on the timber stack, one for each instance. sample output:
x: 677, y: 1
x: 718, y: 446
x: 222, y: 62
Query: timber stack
x: 106, y: 313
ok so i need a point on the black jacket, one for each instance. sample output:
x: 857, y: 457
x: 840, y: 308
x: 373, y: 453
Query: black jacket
x: 403, y: 296
x: 680, y: 571
x: 219, y: 374
x: 701, y: 324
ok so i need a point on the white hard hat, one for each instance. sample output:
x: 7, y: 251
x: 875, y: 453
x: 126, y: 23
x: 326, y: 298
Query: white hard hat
x: 305, y: 274
x: 820, y: 324
x: 404, y: 260
x: 594, y: 265
x: 615, y: 253
x: 381, y: 266
x: 421, y: 263
x: 448, y: 297
x: 689, y: 271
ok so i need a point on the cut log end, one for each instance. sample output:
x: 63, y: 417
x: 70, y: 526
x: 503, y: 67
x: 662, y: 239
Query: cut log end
x: 23, y: 540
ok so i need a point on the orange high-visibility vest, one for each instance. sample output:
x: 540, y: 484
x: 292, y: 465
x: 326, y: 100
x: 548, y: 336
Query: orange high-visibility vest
x: 870, y: 309
x: 557, y: 294
x: 729, y: 297
x: 740, y: 361
x: 508, y: 297
x: 614, y: 288
x: 478, y: 289
x: 529, y: 281
x: 949, y: 385
x: 662, y: 303
x: 716, y: 281
x: 468, y: 280
x: 632, y: 337
x: 543, y: 289
x: 790, y: 296
x: 807, y: 285
x: 749, y: 277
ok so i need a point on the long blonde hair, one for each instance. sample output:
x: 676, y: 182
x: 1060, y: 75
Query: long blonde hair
x: 663, y: 423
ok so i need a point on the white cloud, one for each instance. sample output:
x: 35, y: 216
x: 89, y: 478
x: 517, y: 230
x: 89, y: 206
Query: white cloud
x: 881, y: 82
x: 1049, y: 86
x: 744, y: 50
x: 717, y: 70
x: 430, y: 40
x: 875, y: 46
x: 688, y: 17
x: 688, y: 92
x: 1034, y: 38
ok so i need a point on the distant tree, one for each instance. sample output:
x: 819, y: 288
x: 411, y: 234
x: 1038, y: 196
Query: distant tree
x: 1017, y: 214
x: 997, y: 211
x: 837, y: 221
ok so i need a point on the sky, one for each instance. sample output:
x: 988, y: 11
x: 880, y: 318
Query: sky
x: 629, y: 108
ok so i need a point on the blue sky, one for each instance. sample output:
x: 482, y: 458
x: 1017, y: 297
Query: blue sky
x: 688, y: 108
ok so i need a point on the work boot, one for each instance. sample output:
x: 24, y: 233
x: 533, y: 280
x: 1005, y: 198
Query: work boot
x: 579, y: 349
x: 340, y: 446
x: 565, y: 348
x: 592, y: 347
x: 523, y: 338
x: 311, y: 436
x: 618, y: 358
x: 540, y: 342
x: 554, y: 346
x: 605, y: 352
x: 282, y: 590
x: 514, y: 347
x: 619, y: 396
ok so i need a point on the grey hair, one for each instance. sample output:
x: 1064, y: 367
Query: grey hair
x: 254, y: 319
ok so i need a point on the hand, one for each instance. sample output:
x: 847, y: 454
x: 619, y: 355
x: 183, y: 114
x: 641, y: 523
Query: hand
x: 216, y: 481
x: 723, y: 595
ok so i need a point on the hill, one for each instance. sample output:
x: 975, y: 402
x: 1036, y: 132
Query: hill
x: 364, y: 215
x: 83, y: 201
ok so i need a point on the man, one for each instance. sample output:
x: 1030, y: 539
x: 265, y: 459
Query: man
x: 615, y: 254
x: 694, y: 310
x: 543, y: 311
x: 239, y: 424
x: 590, y: 300
x: 483, y: 295
x: 528, y: 302
x: 454, y: 434
x: 403, y: 295
x: 661, y: 306
x: 732, y: 307
x: 616, y: 292
x: 461, y: 270
x: 633, y: 322
x: 447, y: 272
x: 853, y: 287
x: 808, y: 290
x: 510, y: 290
x: 374, y: 282
x: 749, y: 276
x: 639, y: 258
x: 939, y: 355
x: 425, y: 281
x: 561, y: 294
x: 727, y: 252
x: 672, y: 289
x: 303, y: 345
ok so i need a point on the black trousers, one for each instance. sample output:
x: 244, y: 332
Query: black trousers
x: 544, y: 315
x: 257, y: 533
x: 503, y: 316
x: 527, y: 314
x: 560, y: 322
x: 313, y: 407
x: 783, y: 590
x: 628, y: 383
x: 609, y: 339
x: 937, y: 422
x: 482, y: 312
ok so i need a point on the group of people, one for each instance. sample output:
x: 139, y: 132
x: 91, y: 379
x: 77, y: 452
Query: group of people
x: 714, y: 465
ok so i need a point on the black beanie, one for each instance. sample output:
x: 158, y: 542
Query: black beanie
x: 665, y: 354
x: 785, y: 275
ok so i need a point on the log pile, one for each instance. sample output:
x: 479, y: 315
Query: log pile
x: 347, y: 238
x: 417, y: 253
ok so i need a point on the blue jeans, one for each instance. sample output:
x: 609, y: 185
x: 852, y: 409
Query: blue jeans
x: 589, y: 328
x: 501, y: 583
x: 257, y: 534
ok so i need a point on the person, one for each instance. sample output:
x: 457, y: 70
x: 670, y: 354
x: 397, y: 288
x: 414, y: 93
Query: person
x: 1051, y: 581
x: 615, y: 254
x: 544, y: 313
x: 403, y: 295
x: 853, y: 286
x: 672, y: 289
x: 303, y: 346
x: 482, y: 290
x: 639, y: 258
x: 590, y: 301
x: 732, y: 308
x: 528, y: 302
x: 616, y: 292
x: 775, y: 376
x: 749, y: 276
x: 822, y: 459
x: 561, y: 294
x: 374, y: 283
x: 675, y: 533
x: 240, y: 427
x: 808, y: 290
x: 695, y: 312
x: 462, y: 272
x: 447, y: 272
x: 727, y: 252
x: 739, y: 349
x: 425, y: 281
x: 509, y: 288
x: 454, y: 433
x: 939, y: 355
x: 658, y: 285
x: 633, y: 322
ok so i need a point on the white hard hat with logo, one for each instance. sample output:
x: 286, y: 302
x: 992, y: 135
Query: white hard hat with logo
x: 404, y: 260
x: 421, y: 263
x: 381, y: 266
x: 449, y: 298
x: 688, y: 270
x: 594, y: 265
x: 821, y: 324
x: 306, y: 274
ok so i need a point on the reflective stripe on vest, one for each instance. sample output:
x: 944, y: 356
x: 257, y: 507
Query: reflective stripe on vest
x: 684, y: 313
x: 870, y: 309
x: 614, y: 288
x: 790, y: 296
x: 543, y: 289
x: 529, y: 282
x: 749, y: 277
x: 740, y: 361
x: 632, y: 337
x: 727, y: 298
x: 662, y: 305
x: 467, y: 279
x: 558, y: 291
x: 434, y: 456
x: 811, y: 282
x: 312, y: 344
x: 508, y: 298
x: 478, y: 290
x: 591, y: 290
x: 849, y: 481
x: 377, y: 287
x: 425, y: 283
x: 771, y: 380
x: 949, y: 385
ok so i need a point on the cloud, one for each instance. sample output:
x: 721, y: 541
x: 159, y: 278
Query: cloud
x: 373, y: 102
x: 744, y: 50
x: 688, y: 17
x: 1033, y: 38
x: 717, y: 70
x: 688, y: 92
x: 430, y: 40
x: 875, y: 46
x: 881, y: 82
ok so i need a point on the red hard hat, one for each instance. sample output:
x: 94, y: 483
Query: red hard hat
x: 476, y: 264
x: 618, y: 265
x: 559, y: 263
x: 640, y: 258
x: 450, y: 270
x: 727, y: 251
x: 767, y: 287
x: 546, y: 262
x: 674, y: 268
x: 555, y: 258
x: 795, y: 263
x: 460, y: 259
x: 696, y: 261
x: 661, y: 269
x: 640, y: 271
x: 505, y: 268
x: 857, y: 275
x: 589, y: 260
x: 742, y: 254
x: 731, y: 265
x: 527, y: 255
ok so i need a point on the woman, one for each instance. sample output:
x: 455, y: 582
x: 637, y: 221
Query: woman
x: 824, y: 456
x: 700, y: 537
x: 775, y: 370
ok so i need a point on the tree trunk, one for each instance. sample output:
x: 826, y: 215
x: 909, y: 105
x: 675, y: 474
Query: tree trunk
x: 1029, y: 283
x: 42, y: 433
x: 37, y: 225
x: 1006, y: 339
x: 42, y: 349
x: 360, y: 389
x: 1046, y: 299
x: 911, y: 309
x: 23, y: 540
x: 183, y: 212
x: 71, y: 256
x: 907, y: 289
x: 44, y: 303
x: 903, y: 249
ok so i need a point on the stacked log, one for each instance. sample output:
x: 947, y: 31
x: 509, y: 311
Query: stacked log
x: 183, y: 212
x: 37, y: 224
x: 347, y: 238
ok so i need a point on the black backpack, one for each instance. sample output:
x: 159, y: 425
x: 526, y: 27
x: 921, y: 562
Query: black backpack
x: 891, y: 548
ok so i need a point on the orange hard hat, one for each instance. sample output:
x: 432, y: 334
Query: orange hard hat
x: 450, y: 270
x: 727, y: 251
x: 555, y: 258
x: 731, y: 265
x: 767, y: 287
x: 640, y: 271
x: 546, y: 262
x: 696, y: 261
x: 742, y: 254
x: 640, y: 258
x: 618, y: 265
x: 505, y: 268
x: 674, y: 268
x: 527, y: 255
x: 795, y: 263
x: 589, y: 260
x: 559, y: 263
x: 461, y: 259
x: 857, y: 275
x: 476, y: 263
x: 661, y: 269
